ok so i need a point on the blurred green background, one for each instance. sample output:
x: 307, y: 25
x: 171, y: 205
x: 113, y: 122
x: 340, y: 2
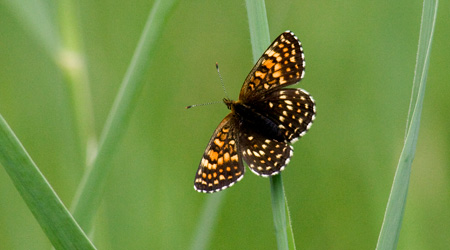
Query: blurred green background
x: 360, y: 58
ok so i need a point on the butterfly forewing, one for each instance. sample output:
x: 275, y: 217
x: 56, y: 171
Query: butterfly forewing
x: 221, y: 165
x: 282, y: 64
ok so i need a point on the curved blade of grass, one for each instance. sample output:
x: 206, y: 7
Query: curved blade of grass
x: 88, y: 197
x: 64, y: 48
x: 72, y: 64
x: 281, y: 216
x: 390, y: 230
x: 35, y: 17
x: 53, y: 217
x: 260, y: 39
x: 207, y: 222
x: 424, y: 31
x: 258, y: 26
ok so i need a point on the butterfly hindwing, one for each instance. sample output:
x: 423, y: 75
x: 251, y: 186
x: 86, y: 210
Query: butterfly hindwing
x: 293, y: 110
x: 264, y: 156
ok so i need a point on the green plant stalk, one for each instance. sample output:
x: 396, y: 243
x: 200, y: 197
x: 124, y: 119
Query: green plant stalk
x: 258, y: 26
x: 260, y: 39
x: 53, y: 217
x: 279, y: 211
x: 88, y: 197
x: 35, y: 16
x: 290, y: 232
x: 63, y: 47
x: 390, y: 230
x: 73, y: 66
x: 202, y: 236
x: 427, y: 23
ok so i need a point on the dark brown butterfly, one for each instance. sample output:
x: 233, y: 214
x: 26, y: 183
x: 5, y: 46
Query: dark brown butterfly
x: 263, y: 123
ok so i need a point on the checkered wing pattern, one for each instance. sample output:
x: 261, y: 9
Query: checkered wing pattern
x: 282, y: 64
x: 221, y: 165
x: 263, y: 156
x: 287, y: 115
x: 293, y: 111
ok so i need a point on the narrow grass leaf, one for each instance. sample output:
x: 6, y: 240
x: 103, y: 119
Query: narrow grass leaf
x: 260, y: 39
x: 35, y: 16
x: 72, y: 63
x: 63, y: 45
x: 88, y: 198
x: 390, y: 230
x: 53, y: 217
x: 290, y: 231
x: 207, y: 222
x: 279, y: 211
x: 258, y: 26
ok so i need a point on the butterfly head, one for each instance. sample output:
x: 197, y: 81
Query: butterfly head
x: 229, y: 103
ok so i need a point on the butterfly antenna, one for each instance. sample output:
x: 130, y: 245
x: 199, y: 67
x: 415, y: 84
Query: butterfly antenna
x: 201, y: 104
x: 221, y: 80
x: 224, y: 90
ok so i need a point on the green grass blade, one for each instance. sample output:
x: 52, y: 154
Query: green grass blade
x: 88, y: 196
x: 390, y: 231
x: 279, y: 211
x: 258, y: 26
x: 53, y: 217
x: 427, y: 23
x: 260, y: 39
x: 35, y: 17
x: 60, y: 38
x: 207, y: 222
x: 72, y: 63
x: 290, y: 232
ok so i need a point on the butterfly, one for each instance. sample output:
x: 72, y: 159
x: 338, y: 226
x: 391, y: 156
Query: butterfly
x: 263, y: 123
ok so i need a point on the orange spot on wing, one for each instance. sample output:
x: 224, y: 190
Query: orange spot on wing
x: 260, y: 74
x: 226, y: 157
x: 276, y: 74
x: 213, y: 155
x: 218, y: 142
x: 269, y: 63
